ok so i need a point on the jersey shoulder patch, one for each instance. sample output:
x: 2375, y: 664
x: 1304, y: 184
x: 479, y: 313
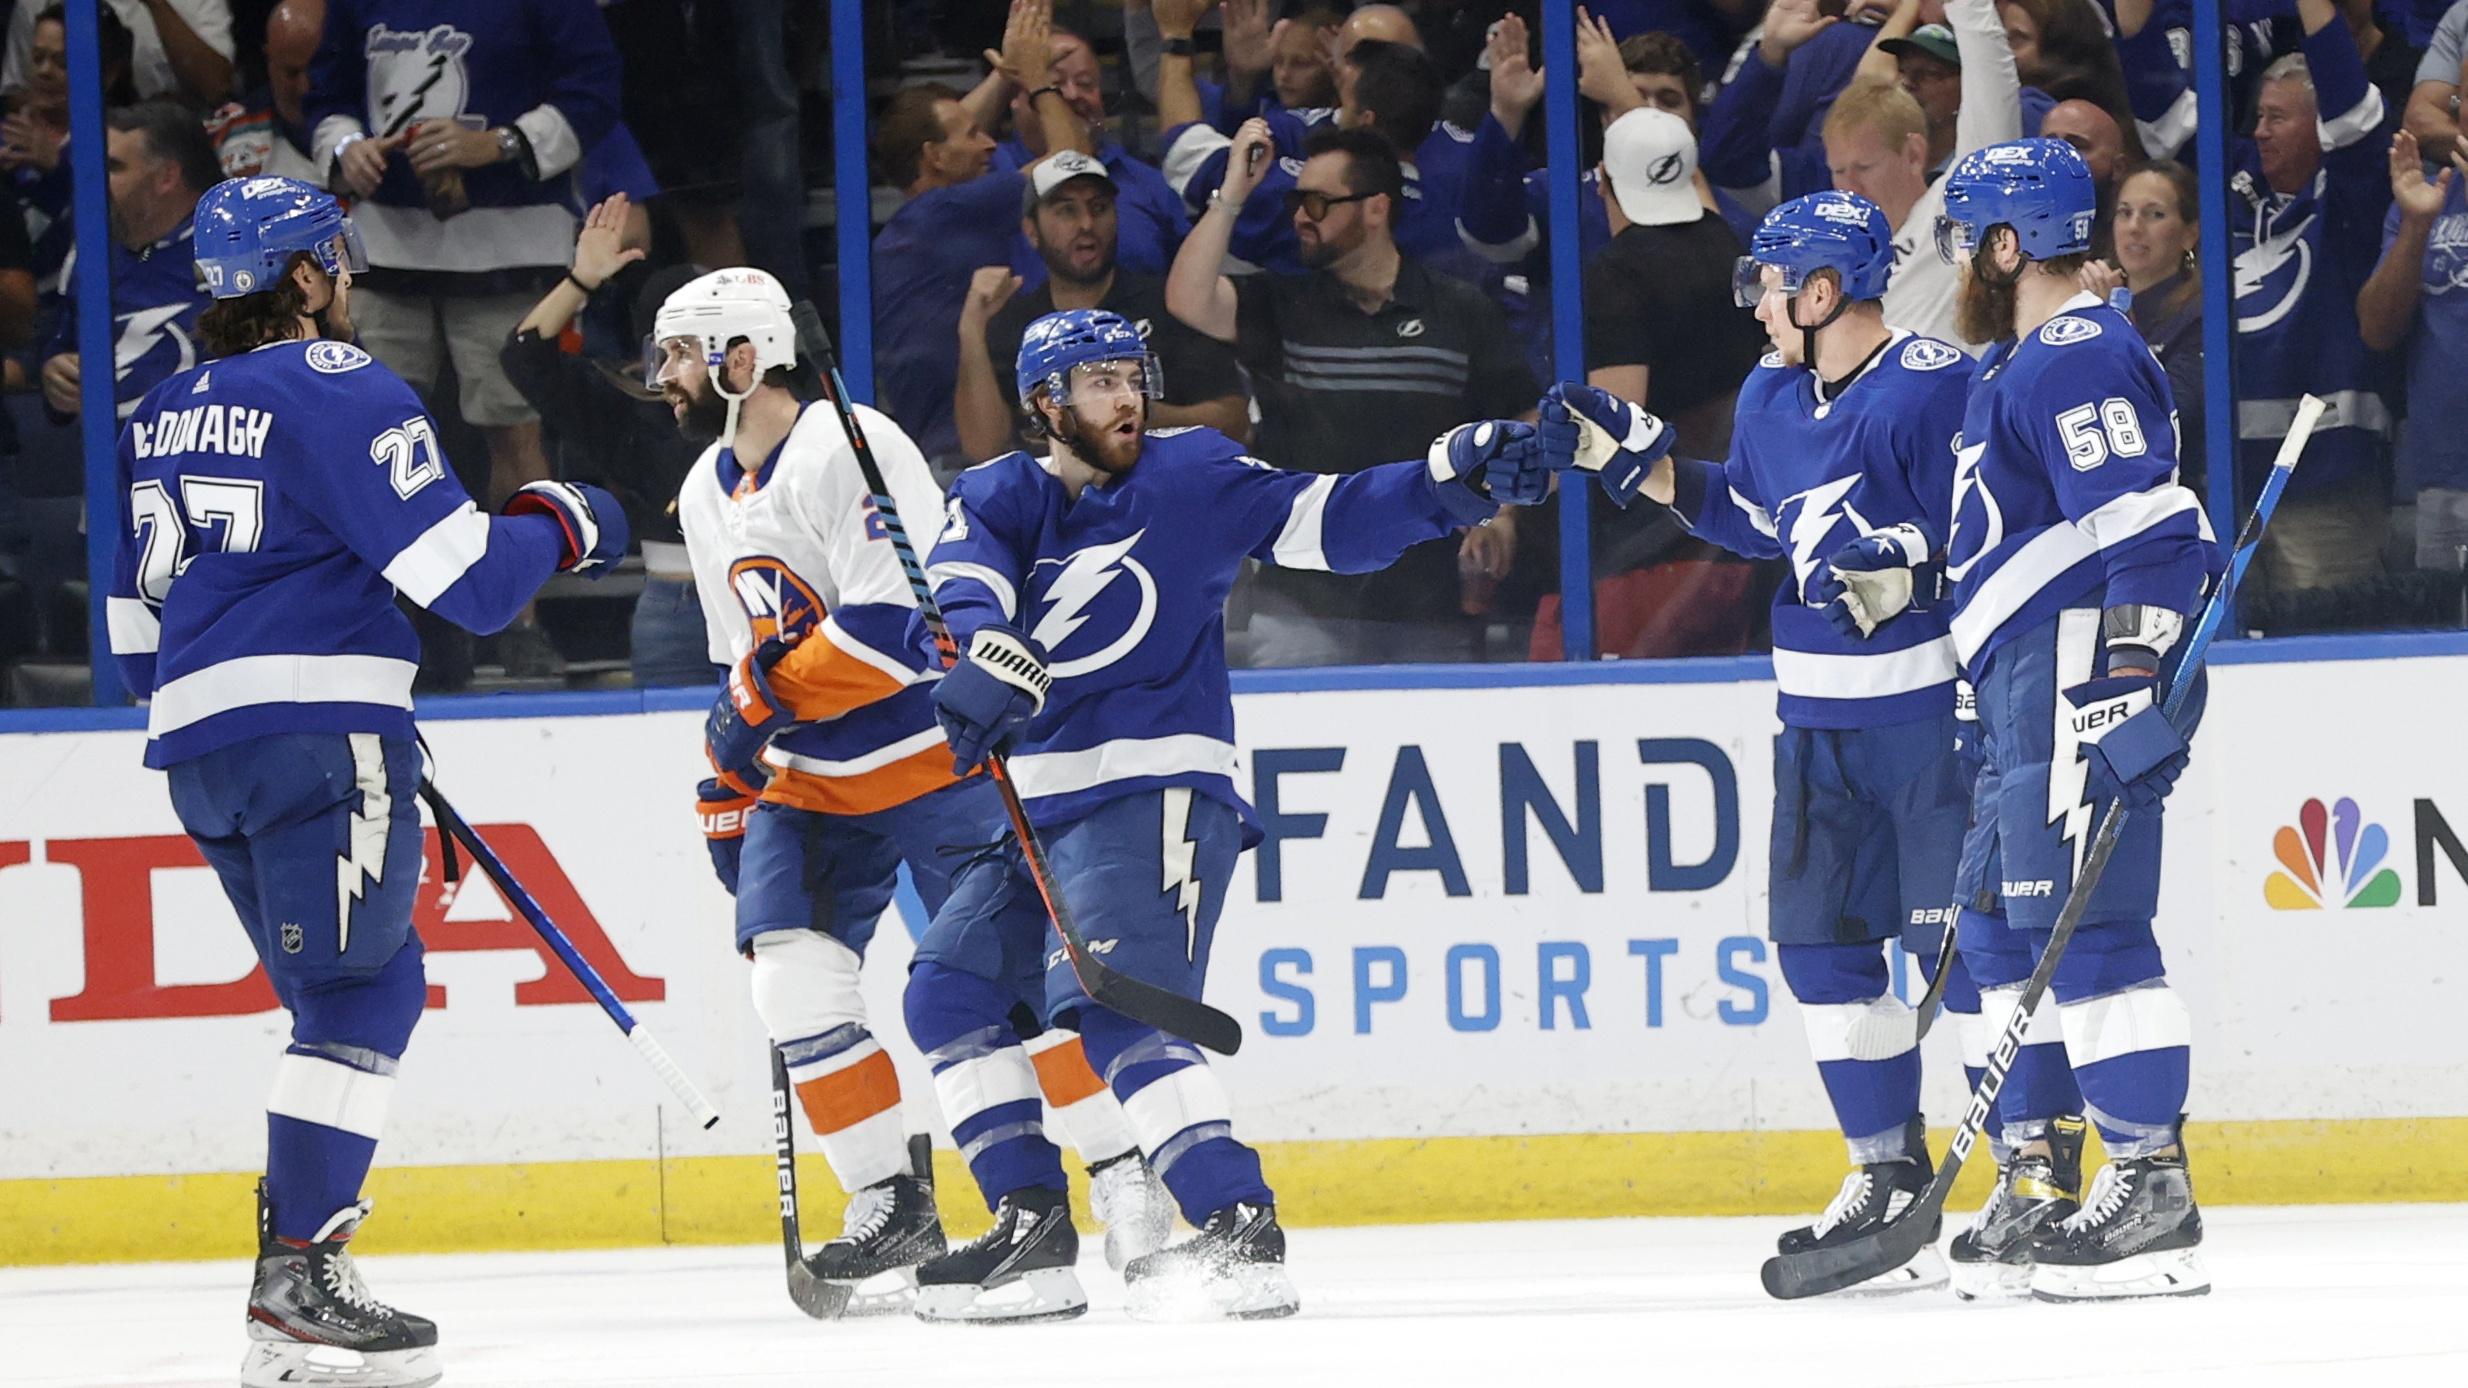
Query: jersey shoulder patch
x: 2066, y: 330
x: 334, y: 358
x: 1928, y: 354
x: 1771, y: 360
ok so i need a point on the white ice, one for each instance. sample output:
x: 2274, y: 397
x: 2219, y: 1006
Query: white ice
x: 2350, y: 1295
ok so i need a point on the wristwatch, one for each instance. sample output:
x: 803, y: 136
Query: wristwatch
x: 509, y: 144
x: 1180, y: 48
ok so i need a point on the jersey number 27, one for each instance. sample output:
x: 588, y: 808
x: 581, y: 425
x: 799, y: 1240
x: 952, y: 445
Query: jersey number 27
x: 214, y: 513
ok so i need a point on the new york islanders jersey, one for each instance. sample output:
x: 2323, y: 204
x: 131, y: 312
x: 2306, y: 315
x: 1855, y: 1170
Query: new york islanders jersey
x: 1125, y: 588
x: 1808, y: 475
x: 795, y: 548
x: 277, y: 502
x: 2065, y: 484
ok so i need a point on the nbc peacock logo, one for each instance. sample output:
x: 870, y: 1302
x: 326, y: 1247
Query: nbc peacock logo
x: 2331, y: 859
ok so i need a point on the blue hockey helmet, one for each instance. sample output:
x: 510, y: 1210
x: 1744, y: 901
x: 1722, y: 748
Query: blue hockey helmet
x: 1837, y: 231
x: 2041, y: 188
x: 248, y: 229
x: 1076, y: 337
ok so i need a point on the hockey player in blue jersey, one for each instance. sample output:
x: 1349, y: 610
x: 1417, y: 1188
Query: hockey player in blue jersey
x: 1087, y: 591
x: 1843, y: 441
x: 2076, y: 560
x: 280, y: 496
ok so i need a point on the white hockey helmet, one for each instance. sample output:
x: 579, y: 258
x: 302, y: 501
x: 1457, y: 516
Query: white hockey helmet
x: 719, y: 309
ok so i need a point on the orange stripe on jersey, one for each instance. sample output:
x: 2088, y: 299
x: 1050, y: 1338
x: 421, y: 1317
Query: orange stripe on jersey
x: 845, y: 1098
x: 1064, y: 1074
x: 819, y: 679
x: 897, y: 783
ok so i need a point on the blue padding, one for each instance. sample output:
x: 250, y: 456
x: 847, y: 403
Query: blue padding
x: 372, y: 1013
x: 944, y: 1004
x: 2105, y: 958
x: 1823, y: 974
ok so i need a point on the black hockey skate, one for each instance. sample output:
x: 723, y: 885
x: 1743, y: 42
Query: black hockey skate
x: 2135, y: 1236
x: 890, y: 1227
x: 312, y: 1322
x: 1871, y: 1197
x: 1233, y: 1269
x: 1132, y: 1204
x: 1992, y: 1258
x: 1020, y: 1270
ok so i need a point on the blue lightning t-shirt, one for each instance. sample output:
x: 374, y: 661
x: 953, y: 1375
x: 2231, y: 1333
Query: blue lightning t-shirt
x: 154, y: 306
x: 1125, y: 587
x: 1810, y: 474
x: 277, y: 502
x: 2065, y: 484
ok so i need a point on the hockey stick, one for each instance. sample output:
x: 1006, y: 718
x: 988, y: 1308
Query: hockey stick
x: 452, y: 826
x: 1145, y: 1003
x: 1816, y: 1271
x: 824, y: 1301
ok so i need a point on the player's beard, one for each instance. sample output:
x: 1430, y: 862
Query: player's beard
x: 1984, y: 307
x: 706, y: 414
x: 1107, y: 447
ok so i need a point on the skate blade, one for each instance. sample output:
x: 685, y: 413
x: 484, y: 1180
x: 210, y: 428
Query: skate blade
x: 297, y: 1364
x: 1050, y: 1294
x: 1924, y: 1273
x: 883, y: 1294
x: 1999, y: 1281
x: 2173, y: 1272
x: 1247, y: 1292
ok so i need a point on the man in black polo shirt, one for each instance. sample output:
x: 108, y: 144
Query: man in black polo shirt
x: 1069, y: 219
x: 1363, y: 360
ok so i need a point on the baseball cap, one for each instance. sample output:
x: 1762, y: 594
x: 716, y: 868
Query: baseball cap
x: 1651, y: 159
x: 1052, y: 173
x: 1933, y: 40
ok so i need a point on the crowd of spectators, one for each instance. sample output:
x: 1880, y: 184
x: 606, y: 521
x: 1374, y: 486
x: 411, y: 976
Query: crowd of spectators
x: 1330, y: 219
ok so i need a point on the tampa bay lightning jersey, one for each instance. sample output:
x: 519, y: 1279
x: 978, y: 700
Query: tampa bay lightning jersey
x: 2065, y: 484
x: 154, y: 306
x: 277, y: 502
x: 1125, y: 588
x: 1810, y: 474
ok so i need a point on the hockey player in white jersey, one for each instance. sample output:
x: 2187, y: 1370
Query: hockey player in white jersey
x: 828, y: 769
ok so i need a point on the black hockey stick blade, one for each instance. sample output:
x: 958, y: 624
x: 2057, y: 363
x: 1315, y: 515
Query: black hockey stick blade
x: 1934, y: 999
x: 814, y: 1296
x: 1789, y: 1277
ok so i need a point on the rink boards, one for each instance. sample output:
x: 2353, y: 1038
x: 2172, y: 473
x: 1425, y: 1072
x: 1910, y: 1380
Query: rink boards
x: 1501, y: 956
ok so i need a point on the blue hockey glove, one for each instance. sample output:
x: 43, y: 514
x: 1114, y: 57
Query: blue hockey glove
x: 746, y: 716
x: 1616, y: 441
x: 1496, y: 460
x: 1875, y: 578
x: 983, y: 700
x: 2128, y: 744
x: 593, y: 522
x: 723, y: 810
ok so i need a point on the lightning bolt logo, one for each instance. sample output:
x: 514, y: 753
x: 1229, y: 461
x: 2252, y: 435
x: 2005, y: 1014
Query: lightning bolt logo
x: 2069, y: 776
x: 365, y: 862
x: 1814, y: 520
x: 1181, y: 859
x: 1085, y: 576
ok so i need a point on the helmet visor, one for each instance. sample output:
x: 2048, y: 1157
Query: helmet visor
x: 1102, y: 382
x: 1956, y: 240
x: 343, y: 253
x: 1751, y: 277
x: 662, y: 356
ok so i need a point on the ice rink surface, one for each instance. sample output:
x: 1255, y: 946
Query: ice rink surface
x: 2345, y: 1295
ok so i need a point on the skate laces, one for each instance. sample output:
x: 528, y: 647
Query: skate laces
x: 1847, y: 1201
x: 2110, y: 1189
x: 342, y: 1280
x: 868, y: 1211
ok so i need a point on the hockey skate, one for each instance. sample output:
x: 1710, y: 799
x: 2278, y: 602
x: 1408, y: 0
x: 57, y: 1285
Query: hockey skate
x: 889, y: 1229
x: 1233, y: 1269
x: 1871, y: 1197
x: 1992, y: 1258
x: 1020, y: 1270
x: 1133, y: 1205
x: 2136, y: 1235
x: 313, y: 1324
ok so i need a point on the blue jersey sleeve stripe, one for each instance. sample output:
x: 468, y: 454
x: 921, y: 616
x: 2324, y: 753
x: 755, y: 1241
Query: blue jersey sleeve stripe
x: 135, y: 627
x: 1299, y: 545
x: 999, y: 588
x: 435, y: 561
x: 2126, y: 517
x: 281, y: 679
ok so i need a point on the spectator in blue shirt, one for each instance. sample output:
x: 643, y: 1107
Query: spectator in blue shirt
x: 2417, y: 299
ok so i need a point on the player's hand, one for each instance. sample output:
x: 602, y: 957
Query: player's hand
x: 723, y: 810
x: 439, y: 145
x: 1250, y: 39
x: 986, y: 698
x: 1874, y: 579
x: 746, y: 716
x: 988, y: 290
x: 1615, y: 440
x: 1246, y: 163
x: 600, y: 248
x: 1516, y: 84
x: 363, y: 161
x: 60, y: 381
x: 2129, y: 748
x: 596, y: 534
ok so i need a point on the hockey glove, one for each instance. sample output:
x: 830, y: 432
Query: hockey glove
x: 1616, y: 441
x: 1493, y: 462
x: 984, y: 699
x: 594, y: 524
x: 1876, y: 578
x: 746, y: 716
x: 2129, y: 747
x: 724, y: 810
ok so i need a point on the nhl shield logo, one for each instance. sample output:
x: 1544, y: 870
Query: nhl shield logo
x: 293, y: 937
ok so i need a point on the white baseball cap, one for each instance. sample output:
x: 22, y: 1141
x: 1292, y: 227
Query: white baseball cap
x: 1651, y: 159
x: 1054, y: 171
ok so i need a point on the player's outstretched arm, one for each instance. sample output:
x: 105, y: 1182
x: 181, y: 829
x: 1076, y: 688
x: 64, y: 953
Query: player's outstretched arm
x: 1364, y: 521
